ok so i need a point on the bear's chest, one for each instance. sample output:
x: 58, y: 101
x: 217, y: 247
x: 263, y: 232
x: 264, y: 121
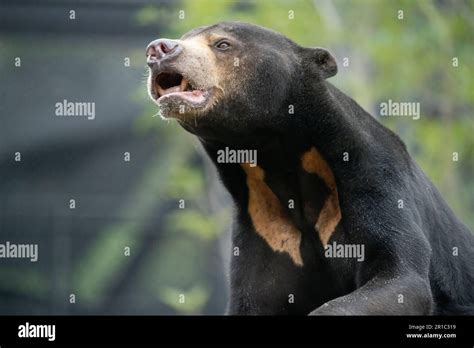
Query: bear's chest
x: 287, y: 200
x: 291, y: 214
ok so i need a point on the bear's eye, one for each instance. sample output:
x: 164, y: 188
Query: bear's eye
x: 222, y: 45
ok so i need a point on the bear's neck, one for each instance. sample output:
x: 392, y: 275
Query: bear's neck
x: 328, y: 121
x: 300, y: 167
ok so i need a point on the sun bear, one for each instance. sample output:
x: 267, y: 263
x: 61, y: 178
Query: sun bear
x: 318, y: 220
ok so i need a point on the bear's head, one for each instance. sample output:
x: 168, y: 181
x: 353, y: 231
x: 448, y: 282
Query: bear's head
x: 233, y: 76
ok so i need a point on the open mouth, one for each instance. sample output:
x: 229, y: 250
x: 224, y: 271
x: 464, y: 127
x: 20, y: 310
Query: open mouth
x: 173, y: 89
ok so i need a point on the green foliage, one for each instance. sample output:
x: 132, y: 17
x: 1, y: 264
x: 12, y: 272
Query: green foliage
x: 103, y: 262
x: 29, y: 282
x: 191, y: 302
x: 187, y: 182
x: 177, y: 266
x: 198, y: 224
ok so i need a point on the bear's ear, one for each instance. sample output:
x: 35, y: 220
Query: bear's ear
x: 325, y: 62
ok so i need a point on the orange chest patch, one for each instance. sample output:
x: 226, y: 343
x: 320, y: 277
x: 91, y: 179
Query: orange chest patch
x: 269, y: 217
x: 330, y: 215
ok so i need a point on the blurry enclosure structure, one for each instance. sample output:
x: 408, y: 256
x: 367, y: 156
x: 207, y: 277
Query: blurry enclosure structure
x: 126, y: 247
x: 150, y: 235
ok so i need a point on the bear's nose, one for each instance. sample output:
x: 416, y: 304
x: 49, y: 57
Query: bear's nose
x: 161, y: 49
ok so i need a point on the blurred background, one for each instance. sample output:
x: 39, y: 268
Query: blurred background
x: 130, y: 246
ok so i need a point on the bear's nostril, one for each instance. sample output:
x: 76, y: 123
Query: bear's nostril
x: 150, y: 51
x: 161, y: 49
x: 165, y: 49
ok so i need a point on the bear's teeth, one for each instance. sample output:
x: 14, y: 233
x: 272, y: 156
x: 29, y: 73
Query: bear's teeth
x: 173, y: 89
x: 160, y: 91
x: 184, y: 85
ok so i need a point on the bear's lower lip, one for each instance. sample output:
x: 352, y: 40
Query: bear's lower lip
x: 181, y: 104
x: 193, y: 98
